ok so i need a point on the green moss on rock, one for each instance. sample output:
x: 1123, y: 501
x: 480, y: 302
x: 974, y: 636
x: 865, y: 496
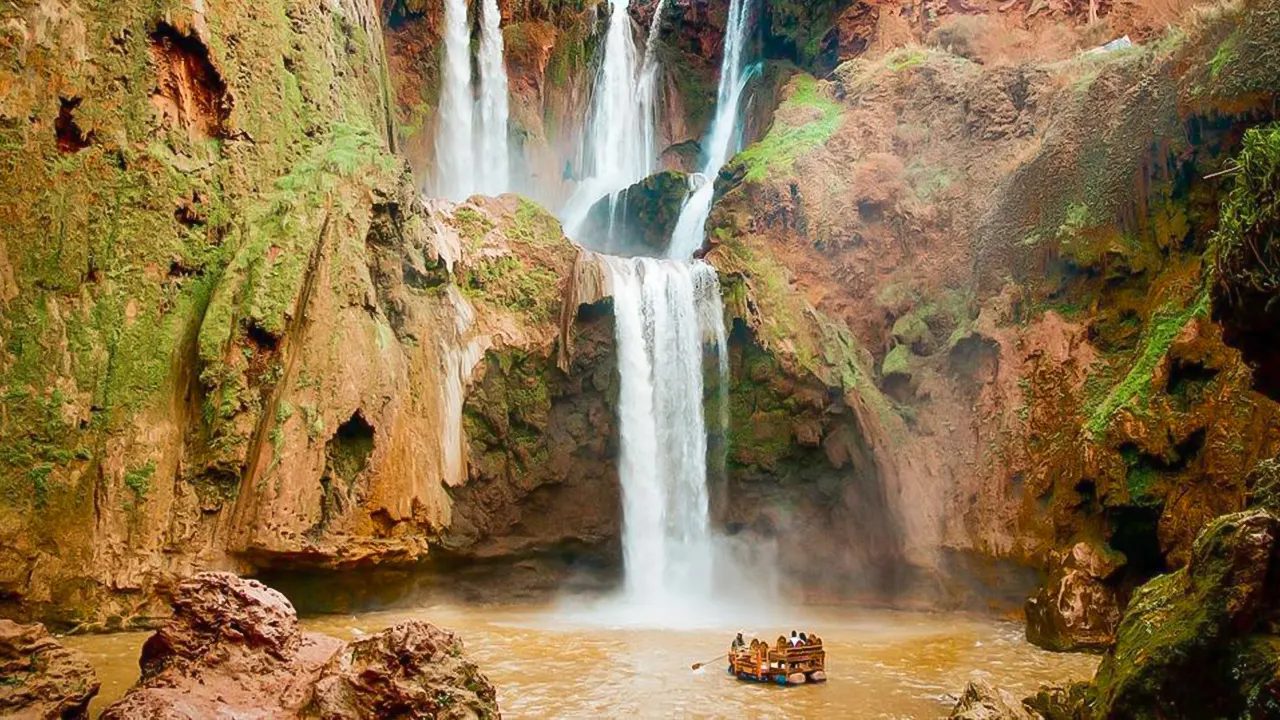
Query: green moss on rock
x: 804, y: 122
x: 1163, y: 329
x: 1187, y: 645
x: 1246, y: 248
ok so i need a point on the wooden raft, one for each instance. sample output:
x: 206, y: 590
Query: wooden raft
x: 782, y: 664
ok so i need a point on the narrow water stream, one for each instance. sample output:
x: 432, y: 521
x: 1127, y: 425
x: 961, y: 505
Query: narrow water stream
x: 550, y: 663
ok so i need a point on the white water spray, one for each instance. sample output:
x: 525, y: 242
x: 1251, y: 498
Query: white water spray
x: 494, y: 154
x: 455, y: 164
x: 617, y: 147
x: 647, y: 90
x: 725, y: 137
x: 666, y: 312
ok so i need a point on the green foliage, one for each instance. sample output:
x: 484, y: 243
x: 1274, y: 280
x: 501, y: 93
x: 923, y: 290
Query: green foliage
x: 1077, y: 219
x: 139, y: 480
x: 905, y: 58
x: 896, y: 362
x: 506, y: 414
x: 778, y: 152
x: 804, y: 25
x: 506, y: 281
x: 533, y: 224
x: 39, y: 479
x: 1162, y: 329
x: 472, y: 225
x: 913, y: 328
x: 1223, y: 57
x: 1245, y: 251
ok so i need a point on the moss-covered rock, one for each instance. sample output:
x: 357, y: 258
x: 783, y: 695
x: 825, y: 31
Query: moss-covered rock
x: 641, y: 219
x: 1195, y: 643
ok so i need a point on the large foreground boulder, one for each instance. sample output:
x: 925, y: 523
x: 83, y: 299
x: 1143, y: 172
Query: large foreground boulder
x: 233, y: 648
x: 1200, y: 642
x: 411, y: 670
x: 39, y: 678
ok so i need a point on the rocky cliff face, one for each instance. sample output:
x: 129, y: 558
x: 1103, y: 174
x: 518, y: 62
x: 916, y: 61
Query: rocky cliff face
x: 998, y: 268
x: 234, y: 337
x: 980, y: 329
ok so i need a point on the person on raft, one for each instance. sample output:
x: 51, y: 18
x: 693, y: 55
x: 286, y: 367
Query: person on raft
x: 738, y: 643
x: 795, y: 640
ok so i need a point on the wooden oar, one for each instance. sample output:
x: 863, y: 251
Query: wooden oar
x: 696, y: 666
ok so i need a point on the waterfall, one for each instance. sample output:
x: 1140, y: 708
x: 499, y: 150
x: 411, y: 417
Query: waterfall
x: 666, y: 312
x: 617, y: 144
x: 647, y: 92
x: 725, y: 135
x: 455, y: 164
x: 494, y: 161
x: 472, y: 157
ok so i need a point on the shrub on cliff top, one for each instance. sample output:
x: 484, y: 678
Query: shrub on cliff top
x: 1245, y: 250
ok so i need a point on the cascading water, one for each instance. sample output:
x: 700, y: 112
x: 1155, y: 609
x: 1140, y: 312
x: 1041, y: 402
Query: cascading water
x: 666, y: 311
x: 616, y: 146
x: 725, y: 136
x: 494, y: 154
x: 455, y: 178
x: 472, y: 155
x: 647, y: 91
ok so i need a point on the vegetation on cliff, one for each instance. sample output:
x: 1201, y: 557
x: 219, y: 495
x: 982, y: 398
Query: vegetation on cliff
x: 1246, y: 247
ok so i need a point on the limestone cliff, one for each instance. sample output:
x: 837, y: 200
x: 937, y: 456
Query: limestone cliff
x: 233, y: 335
x: 998, y: 268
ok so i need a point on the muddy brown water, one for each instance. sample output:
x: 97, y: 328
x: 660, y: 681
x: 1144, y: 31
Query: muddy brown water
x: 565, y: 663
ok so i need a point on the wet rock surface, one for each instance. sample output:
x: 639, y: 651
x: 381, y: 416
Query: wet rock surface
x: 40, y: 679
x: 1199, y: 642
x: 413, y: 669
x: 1077, y: 609
x: 641, y: 219
x: 982, y: 701
x: 233, y: 649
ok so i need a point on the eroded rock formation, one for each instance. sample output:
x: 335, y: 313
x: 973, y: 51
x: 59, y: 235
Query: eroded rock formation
x: 233, y: 649
x: 973, y: 327
x: 1194, y: 643
x: 41, y: 679
x: 1013, y: 305
x: 250, y: 343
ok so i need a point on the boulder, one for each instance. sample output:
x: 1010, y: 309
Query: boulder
x: 233, y: 648
x: 1075, y: 612
x: 639, y: 220
x: 39, y: 678
x: 1062, y: 702
x: 982, y: 701
x: 411, y: 670
x: 1199, y: 642
x: 1077, y: 609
